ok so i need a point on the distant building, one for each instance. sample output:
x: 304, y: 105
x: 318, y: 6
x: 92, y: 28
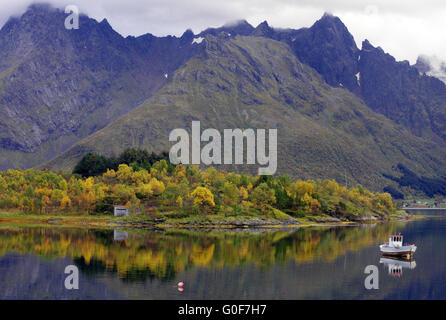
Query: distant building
x: 121, y: 211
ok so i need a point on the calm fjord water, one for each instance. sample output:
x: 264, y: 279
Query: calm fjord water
x: 308, y: 263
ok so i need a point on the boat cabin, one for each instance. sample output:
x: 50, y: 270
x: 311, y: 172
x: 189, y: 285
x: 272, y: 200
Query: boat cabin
x: 396, y: 241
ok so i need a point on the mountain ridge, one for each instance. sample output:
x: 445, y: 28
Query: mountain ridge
x: 65, y: 89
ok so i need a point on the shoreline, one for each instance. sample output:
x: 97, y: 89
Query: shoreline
x: 132, y: 222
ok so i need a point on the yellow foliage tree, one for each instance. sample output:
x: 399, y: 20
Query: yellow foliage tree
x: 202, y: 196
x: 156, y: 186
x: 144, y: 191
x: 141, y: 176
x: 311, y: 204
x: 303, y: 187
x: 332, y: 187
x: 243, y: 193
x: 109, y: 175
x: 65, y: 203
x: 124, y: 173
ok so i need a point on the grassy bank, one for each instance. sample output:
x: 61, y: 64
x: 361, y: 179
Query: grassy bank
x: 169, y: 195
x: 193, y: 222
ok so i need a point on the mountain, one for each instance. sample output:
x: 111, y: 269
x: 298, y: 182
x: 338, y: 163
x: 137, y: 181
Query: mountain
x: 263, y: 30
x: 329, y: 48
x: 398, y: 91
x: 392, y: 88
x: 58, y: 86
x: 340, y: 110
x: 256, y: 82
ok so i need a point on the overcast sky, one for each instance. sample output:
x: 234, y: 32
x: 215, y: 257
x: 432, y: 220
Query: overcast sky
x: 404, y: 28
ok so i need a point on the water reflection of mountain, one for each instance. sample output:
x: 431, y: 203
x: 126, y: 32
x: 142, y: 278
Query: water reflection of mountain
x: 162, y: 255
x: 289, y: 272
x: 30, y: 277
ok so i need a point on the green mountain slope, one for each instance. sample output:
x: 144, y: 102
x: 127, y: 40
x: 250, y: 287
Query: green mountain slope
x: 254, y: 82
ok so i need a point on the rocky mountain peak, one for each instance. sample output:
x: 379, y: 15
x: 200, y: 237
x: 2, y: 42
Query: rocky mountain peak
x: 40, y: 8
x: 367, y: 46
x: 330, y: 19
x: 187, y: 34
x: 329, y: 48
x: 36, y: 16
x: 332, y: 29
x: 263, y: 30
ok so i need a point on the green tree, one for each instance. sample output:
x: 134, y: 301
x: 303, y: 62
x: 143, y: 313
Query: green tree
x: 263, y: 196
x: 93, y: 164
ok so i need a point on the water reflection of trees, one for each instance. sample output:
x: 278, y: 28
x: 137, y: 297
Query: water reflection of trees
x: 163, y: 254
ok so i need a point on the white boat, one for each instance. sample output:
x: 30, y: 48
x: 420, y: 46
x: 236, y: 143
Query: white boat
x: 395, y: 247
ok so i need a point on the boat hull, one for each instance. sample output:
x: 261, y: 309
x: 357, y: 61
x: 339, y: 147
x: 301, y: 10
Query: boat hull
x: 403, y: 251
x: 397, y: 254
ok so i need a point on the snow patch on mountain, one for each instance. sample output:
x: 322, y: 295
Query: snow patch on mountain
x: 197, y: 40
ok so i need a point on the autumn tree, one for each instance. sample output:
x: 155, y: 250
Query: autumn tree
x: 263, y: 197
x: 203, y: 198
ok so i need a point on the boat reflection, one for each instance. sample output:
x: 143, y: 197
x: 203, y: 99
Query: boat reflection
x: 396, y: 266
